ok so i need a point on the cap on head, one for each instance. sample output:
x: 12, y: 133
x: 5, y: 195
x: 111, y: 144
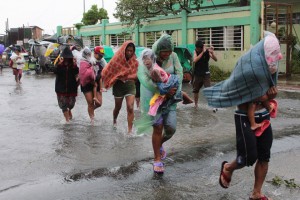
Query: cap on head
x: 99, y: 50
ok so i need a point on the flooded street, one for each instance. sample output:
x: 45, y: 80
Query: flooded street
x: 43, y: 158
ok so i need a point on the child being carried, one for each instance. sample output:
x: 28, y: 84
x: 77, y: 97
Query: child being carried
x: 163, y: 81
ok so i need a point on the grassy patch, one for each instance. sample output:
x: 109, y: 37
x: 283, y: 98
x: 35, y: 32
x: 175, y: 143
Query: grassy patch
x: 217, y: 75
x: 278, y: 181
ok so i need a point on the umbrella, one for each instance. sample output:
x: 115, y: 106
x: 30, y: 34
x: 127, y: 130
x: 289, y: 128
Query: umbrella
x: 2, y: 48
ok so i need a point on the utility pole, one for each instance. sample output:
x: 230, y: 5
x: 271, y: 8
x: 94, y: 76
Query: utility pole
x: 103, y: 4
x: 83, y: 6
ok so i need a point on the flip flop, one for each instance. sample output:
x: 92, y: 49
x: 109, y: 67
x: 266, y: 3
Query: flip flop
x: 260, y: 198
x: 158, y: 164
x: 273, y: 113
x: 162, y: 155
x: 225, y: 177
x: 264, y: 126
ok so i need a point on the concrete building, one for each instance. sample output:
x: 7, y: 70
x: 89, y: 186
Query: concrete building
x: 231, y: 28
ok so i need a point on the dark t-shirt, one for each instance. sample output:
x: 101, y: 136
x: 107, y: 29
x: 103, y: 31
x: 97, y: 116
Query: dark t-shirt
x: 100, y: 64
x: 201, y: 66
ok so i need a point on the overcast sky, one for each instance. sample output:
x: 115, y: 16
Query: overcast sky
x: 48, y: 14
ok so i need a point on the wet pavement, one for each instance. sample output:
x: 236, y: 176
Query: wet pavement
x: 42, y: 158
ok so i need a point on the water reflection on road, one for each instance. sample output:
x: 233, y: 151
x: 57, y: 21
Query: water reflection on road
x: 42, y: 158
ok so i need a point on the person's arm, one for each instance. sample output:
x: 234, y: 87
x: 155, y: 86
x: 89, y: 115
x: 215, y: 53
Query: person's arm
x: 20, y: 59
x: 197, y: 58
x: 272, y: 92
x: 212, y: 53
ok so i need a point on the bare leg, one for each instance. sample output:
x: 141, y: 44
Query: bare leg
x: 228, y: 171
x: 260, y: 172
x: 90, y: 102
x: 137, y: 103
x: 95, y: 99
x: 118, y: 106
x: 17, y: 78
x: 99, y: 100
x: 70, y: 115
x: 186, y: 98
x: 156, y: 144
x: 250, y: 112
x: 196, y: 97
x: 67, y: 116
x: 130, y: 113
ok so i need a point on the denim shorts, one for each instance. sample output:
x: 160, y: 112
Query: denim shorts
x: 169, y: 121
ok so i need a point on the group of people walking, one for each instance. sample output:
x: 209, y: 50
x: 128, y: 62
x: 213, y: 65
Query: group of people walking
x: 160, y: 75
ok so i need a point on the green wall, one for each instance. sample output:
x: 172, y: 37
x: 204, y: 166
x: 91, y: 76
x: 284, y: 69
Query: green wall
x: 185, y: 24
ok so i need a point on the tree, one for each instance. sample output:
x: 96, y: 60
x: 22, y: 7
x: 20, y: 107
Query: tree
x: 92, y: 16
x: 135, y: 11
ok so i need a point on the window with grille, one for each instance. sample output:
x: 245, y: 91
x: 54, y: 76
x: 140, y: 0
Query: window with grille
x: 119, y: 39
x: 174, y: 37
x: 222, y: 38
x: 296, y: 18
x: 95, y: 41
x: 151, y: 37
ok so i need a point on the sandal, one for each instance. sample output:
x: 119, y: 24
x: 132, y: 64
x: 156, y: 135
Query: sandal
x: 225, y: 177
x: 264, y: 125
x: 158, y: 165
x: 163, y: 153
x: 264, y: 197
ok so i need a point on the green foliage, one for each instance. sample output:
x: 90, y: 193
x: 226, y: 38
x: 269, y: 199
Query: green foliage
x: 217, y: 75
x: 92, y: 16
x: 295, y: 63
x: 277, y: 181
x: 135, y: 11
x: 78, y: 25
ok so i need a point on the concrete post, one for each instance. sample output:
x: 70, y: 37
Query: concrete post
x: 59, y: 31
x: 255, y: 9
x: 103, y: 36
x: 184, y: 27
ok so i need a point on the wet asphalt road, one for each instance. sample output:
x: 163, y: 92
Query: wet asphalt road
x: 42, y: 158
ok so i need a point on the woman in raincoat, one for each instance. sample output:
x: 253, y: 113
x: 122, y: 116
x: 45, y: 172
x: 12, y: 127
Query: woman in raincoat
x: 120, y: 73
x: 164, y: 123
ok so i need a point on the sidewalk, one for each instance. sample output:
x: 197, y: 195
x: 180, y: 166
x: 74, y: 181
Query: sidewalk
x: 291, y: 83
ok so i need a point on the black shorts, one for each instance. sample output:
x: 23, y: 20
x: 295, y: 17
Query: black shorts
x: 87, y: 88
x: 121, y: 89
x: 249, y: 147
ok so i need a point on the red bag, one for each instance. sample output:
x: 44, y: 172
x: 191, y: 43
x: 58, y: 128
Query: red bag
x: 10, y: 63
